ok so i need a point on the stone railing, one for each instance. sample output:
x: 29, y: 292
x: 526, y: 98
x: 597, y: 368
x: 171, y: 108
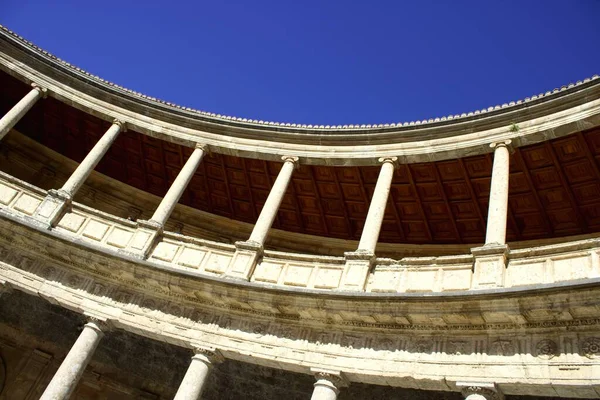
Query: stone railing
x: 548, y: 264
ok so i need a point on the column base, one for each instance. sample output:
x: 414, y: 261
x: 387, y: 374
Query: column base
x: 356, y: 272
x: 247, y: 255
x: 489, y: 267
x: 53, y: 207
x: 144, y: 239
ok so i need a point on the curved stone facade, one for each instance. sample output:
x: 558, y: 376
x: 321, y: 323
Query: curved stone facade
x: 479, y: 316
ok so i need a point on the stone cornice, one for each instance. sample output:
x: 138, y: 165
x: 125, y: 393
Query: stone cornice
x: 552, y: 115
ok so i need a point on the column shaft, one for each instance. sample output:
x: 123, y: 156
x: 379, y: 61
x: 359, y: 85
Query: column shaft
x: 11, y: 118
x: 498, y: 208
x: 193, y: 382
x: 269, y: 210
x: 370, y: 233
x: 168, y: 203
x: 66, y: 378
x: 91, y: 160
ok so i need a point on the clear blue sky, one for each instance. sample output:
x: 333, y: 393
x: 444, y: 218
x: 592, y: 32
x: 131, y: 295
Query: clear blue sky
x: 320, y: 61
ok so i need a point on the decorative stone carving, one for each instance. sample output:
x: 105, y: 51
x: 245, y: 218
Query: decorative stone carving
x: 74, y: 281
x: 590, y: 347
x: 422, y: 346
x: 385, y: 344
x: 456, y: 347
x: 98, y: 289
x: 123, y: 297
x: 546, y: 349
x: 259, y: 329
x: 49, y: 273
x: 502, y: 348
x: 202, y: 317
x: 352, y: 342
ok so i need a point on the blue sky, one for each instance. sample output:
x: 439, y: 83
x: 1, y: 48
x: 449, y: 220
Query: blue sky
x: 322, y: 62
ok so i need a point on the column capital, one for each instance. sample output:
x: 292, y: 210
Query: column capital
x: 503, y: 143
x: 40, y: 89
x: 203, y: 146
x: 391, y: 160
x: 336, y: 379
x: 122, y: 125
x: 292, y: 159
x: 209, y: 355
x: 479, y: 390
x: 99, y: 324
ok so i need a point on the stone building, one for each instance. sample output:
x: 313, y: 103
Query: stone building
x: 152, y: 251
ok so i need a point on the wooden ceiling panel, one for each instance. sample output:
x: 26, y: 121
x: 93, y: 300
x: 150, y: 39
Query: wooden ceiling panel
x: 554, y: 186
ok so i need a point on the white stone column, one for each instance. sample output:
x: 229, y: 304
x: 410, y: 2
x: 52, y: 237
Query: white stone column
x: 370, y: 233
x: 490, y: 260
x: 68, y: 374
x: 195, y: 378
x: 269, y: 210
x: 91, y: 160
x: 11, y: 118
x: 498, y: 207
x: 328, y: 385
x: 168, y: 203
x: 247, y: 253
x: 359, y: 263
x: 480, y: 391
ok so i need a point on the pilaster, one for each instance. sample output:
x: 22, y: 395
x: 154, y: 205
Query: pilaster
x: 247, y: 254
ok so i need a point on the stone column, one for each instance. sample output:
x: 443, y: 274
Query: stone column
x: 11, y: 118
x: 269, y: 210
x: 370, y: 233
x: 490, y: 259
x: 498, y: 207
x: 248, y: 252
x: 480, y: 391
x: 92, y: 159
x: 56, y: 202
x: 168, y: 203
x: 68, y: 374
x: 328, y: 384
x: 195, y: 378
x: 359, y: 262
x: 149, y: 232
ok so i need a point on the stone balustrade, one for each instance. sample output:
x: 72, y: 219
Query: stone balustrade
x: 569, y: 261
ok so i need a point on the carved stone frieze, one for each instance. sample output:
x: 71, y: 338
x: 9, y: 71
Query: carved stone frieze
x: 423, y: 346
x: 546, y: 349
x: 502, y: 348
x: 457, y: 347
x: 590, y: 347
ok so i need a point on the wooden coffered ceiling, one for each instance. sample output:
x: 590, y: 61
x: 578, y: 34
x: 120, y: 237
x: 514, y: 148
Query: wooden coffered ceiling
x: 554, y: 186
